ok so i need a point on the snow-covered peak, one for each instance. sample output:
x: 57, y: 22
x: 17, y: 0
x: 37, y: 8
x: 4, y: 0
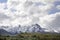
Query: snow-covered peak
x: 30, y: 28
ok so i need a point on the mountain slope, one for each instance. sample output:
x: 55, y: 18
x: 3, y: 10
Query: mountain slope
x: 4, y: 32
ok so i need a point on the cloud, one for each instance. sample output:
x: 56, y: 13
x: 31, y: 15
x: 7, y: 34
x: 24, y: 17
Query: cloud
x: 19, y: 10
x: 55, y: 24
x: 25, y: 13
x: 3, y: 16
x: 51, y: 22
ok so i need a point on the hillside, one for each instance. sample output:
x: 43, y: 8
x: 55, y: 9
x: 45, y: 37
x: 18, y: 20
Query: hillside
x: 31, y: 36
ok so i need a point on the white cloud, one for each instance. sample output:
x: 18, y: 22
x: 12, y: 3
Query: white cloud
x: 20, y: 13
x: 51, y: 22
x: 22, y: 16
x: 55, y: 23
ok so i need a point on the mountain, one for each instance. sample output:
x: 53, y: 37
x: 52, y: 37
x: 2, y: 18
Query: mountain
x: 34, y: 28
x: 4, y: 32
x: 28, y: 29
x: 31, y: 28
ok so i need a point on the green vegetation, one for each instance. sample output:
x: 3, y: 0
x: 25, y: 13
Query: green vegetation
x: 31, y: 36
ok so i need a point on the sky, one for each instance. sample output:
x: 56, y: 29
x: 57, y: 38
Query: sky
x: 46, y: 13
x: 3, y: 1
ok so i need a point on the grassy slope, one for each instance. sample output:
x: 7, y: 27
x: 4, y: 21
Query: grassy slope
x: 32, y: 36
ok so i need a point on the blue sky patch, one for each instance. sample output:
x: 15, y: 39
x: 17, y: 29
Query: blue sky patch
x: 3, y: 1
x: 57, y: 3
x: 53, y: 10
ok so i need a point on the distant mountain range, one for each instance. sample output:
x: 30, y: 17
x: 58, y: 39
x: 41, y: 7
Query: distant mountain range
x: 18, y: 29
